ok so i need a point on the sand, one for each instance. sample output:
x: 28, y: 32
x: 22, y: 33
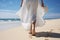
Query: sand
x: 50, y: 31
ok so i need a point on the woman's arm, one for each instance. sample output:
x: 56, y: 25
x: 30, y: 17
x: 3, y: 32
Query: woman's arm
x: 42, y: 3
x: 21, y: 2
x: 45, y: 7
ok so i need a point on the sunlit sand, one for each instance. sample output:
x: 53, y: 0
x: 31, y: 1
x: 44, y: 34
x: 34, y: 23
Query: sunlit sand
x: 50, y: 31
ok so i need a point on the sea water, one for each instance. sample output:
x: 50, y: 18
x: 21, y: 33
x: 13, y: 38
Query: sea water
x: 7, y: 23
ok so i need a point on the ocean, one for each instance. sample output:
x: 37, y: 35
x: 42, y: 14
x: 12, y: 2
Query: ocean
x: 9, y: 19
x: 7, y: 23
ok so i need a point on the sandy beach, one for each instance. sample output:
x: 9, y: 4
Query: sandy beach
x: 50, y: 31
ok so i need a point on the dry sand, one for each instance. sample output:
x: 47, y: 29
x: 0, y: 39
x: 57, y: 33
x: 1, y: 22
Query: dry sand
x: 50, y: 31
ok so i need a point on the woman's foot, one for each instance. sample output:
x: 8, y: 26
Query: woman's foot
x: 33, y: 34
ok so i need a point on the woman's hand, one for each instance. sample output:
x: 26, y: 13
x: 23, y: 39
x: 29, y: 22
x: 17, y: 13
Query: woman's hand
x: 21, y: 3
x: 42, y: 3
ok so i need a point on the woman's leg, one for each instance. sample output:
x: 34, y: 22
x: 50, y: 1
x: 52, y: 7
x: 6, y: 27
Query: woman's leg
x: 33, y: 30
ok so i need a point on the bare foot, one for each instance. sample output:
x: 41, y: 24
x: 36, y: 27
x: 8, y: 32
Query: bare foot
x: 46, y: 39
x: 33, y: 33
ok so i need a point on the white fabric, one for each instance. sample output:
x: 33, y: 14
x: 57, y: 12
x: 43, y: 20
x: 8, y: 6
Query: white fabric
x: 26, y: 13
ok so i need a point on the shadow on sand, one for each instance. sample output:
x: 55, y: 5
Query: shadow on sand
x: 48, y: 34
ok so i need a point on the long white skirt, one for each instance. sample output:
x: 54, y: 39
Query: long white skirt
x: 27, y: 17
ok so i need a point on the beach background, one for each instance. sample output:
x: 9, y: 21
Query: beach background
x: 10, y: 24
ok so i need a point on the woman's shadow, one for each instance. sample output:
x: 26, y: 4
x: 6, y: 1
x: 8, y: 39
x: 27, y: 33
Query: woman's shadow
x: 48, y: 34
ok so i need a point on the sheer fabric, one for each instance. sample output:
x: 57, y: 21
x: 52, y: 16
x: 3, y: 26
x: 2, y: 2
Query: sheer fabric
x: 31, y: 10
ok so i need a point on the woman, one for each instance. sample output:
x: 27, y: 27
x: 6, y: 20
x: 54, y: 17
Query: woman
x: 32, y: 12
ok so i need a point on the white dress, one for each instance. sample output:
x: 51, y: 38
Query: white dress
x: 30, y: 11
